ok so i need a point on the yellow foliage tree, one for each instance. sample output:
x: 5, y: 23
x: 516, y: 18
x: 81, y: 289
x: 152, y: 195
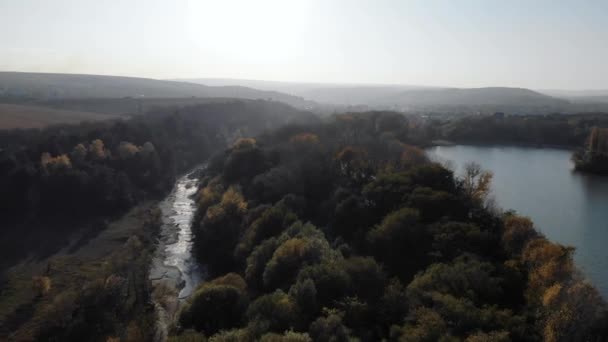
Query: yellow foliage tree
x: 41, y: 285
x: 517, y: 233
x: 127, y: 150
x: 243, y: 143
x: 49, y: 162
x: 233, y: 201
x: 412, y: 155
x: 79, y: 152
x: 207, y: 197
x: 304, y: 138
x: 571, y: 311
x: 97, y: 149
x: 476, y: 181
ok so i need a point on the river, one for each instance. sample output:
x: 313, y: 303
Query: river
x: 174, y: 262
x: 568, y: 207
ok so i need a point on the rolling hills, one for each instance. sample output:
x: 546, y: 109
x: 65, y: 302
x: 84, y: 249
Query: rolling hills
x: 472, y: 97
x: 410, y: 97
x: 44, y: 86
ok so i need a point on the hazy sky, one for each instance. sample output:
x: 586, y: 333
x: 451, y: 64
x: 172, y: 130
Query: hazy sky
x: 534, y: 43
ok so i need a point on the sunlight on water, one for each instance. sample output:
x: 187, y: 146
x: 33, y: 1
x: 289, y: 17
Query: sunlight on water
x: 178, y: 210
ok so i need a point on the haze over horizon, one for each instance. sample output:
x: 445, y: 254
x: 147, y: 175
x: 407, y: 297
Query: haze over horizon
x: 540, y: 45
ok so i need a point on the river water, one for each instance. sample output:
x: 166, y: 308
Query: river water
x: 174, y: 262
x: 568, y: 207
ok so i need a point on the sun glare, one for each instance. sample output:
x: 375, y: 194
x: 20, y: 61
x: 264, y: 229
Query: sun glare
x: 256, y: 29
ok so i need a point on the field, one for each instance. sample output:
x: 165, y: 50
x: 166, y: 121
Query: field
x: 28, y: 116
x: 87, y: 257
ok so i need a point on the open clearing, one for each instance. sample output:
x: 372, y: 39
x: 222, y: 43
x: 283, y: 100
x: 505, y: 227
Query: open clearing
x: 27, y: 116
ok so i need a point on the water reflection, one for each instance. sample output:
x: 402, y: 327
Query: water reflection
x: 568, y: 207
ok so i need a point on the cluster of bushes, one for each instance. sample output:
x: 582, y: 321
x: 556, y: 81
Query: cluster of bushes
x: 57, y: 178
x: 344, y: 231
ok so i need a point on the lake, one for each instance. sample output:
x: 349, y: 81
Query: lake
x: 568, y: 207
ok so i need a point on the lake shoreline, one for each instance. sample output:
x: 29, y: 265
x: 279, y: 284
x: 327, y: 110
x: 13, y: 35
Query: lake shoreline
x: 439, y: 143
x: 568, y: 207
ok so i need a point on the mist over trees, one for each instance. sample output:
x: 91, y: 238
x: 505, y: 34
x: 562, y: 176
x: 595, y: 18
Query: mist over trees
x: 311, y: 229
x: 345, y: 231
x: 91, y: 170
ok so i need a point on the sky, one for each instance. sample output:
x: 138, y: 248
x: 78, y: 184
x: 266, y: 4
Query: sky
x: 540, y: 44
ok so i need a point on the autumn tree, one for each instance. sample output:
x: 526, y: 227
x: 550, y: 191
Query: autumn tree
x: 216, y: 305
x: 475, y: 181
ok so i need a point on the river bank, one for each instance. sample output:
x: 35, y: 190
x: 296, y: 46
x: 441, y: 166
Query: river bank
x: 174, y: 272
x: 567, y: 207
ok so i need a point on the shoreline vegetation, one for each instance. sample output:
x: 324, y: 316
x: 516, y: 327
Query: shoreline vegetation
x: 311, y: 229
x: 594, y: 157
x: 556, y: 130
x: 345, y: 229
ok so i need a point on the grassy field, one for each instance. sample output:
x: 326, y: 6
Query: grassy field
x: 28, y: 116
x: 80, y: 263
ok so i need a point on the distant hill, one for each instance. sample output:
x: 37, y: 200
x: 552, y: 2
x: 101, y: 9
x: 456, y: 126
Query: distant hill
x: 574, y: 94
x: 27, y: 116
x: 411, y: 97
x: 591, y: 99
x: 326, y: 93
x: 472, y: 97
x: 597, y: 97
x: 74, y: 86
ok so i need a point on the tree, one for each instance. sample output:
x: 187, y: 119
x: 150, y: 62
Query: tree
x: 127, y: 150
x: 245, y: 160
x: 518, y: 231
x: 367, y: 277
x: 465, y: 277
x: 428, y: 326
x: 451, y: 239
x: 257, y: 260
x: 288, y: 336
x: 41, y: 285
x: 494, y: 336
x: 329, y: 328
x: 213, y: 307
x: 287, y: 260
x: 475, y: 181
x: 573, y: 311
x: 276, y: 310
x: 331, y: 281
x: 394, y: 303
x: 218, y: 233
x: 401, y: 242
x: 304, y: 293
x: 270, y: 223
x: 188, y: 336
x: 97, y: 149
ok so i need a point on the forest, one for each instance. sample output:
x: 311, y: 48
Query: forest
x: 68, y: 175
x: 345, y: 231
x: 556, y: 130
x: 80, y: 220
x: 311, y: 229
